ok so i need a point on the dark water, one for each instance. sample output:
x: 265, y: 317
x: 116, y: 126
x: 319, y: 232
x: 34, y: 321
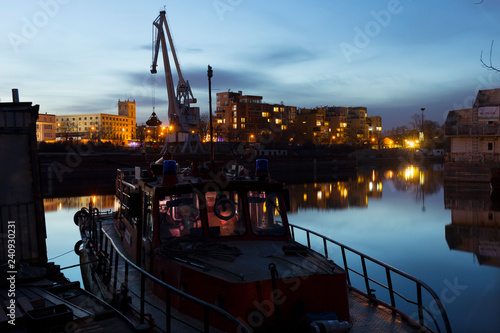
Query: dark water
x: 445, y: 235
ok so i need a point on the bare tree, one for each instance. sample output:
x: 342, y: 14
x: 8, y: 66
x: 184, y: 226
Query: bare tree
x: 202, y: 127
x: 416, y: 122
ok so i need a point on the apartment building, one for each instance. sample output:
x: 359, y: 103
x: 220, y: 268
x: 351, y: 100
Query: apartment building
x: 241, y: 117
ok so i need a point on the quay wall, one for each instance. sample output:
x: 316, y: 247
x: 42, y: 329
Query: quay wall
x: 74, y: 173
x: 465, y: 172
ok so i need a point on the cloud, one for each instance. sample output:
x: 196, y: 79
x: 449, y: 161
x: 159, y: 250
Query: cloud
x: 284, y: 55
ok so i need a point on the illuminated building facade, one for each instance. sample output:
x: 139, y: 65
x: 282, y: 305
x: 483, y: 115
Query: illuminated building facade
x: 100, y: 126
x: 46, y: 127
x: 475, y: 132
x: 241, y: 117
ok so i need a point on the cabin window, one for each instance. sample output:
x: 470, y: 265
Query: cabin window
x: 266, y: 213
x: 225, y: 214
x: 179, y: 216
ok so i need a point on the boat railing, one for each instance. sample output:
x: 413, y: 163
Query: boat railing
x: 124, y: 188
x: 425, y: 314
x: 114, y: 255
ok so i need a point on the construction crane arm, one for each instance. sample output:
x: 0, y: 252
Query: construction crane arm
x: 180, y: 111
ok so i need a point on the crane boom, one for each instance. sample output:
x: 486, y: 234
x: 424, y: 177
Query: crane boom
x: 180, y: 112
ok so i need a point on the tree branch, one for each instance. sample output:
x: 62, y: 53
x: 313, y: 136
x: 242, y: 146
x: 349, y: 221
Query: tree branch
x: 490, y: 66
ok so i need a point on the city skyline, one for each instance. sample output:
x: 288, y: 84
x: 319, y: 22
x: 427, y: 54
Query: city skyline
x: 393, y: 57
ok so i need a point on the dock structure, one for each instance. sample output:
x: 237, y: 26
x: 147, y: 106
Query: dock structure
x: 474, y: 135
x: 34, y: 294
x: 21, y: 205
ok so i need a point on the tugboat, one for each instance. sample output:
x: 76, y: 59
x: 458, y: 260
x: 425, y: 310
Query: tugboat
x: 221, y: 237
x: 224, y: 238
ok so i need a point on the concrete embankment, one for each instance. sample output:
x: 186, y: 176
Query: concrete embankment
x: 79, y: 173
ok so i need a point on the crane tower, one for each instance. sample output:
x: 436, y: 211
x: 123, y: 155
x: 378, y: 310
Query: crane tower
x: 181, y: 115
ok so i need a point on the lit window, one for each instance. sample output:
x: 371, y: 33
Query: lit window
x: 235, y: 120
x: 277, y: 121
x: 265, y: 114
x: 242, y: 120
x: 235, y: 126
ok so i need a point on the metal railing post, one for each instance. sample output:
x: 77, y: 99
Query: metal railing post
x: 365, y: 276
x: 206, y: 319
x: 389, y: 285
x: 110, y: 256
x: 143, y: 291
x: 419, y: 304
x: 126, y: 274
x: 346, y: 268
x: 168, y: 313
x: 115, y: 278
x: 325, y: 247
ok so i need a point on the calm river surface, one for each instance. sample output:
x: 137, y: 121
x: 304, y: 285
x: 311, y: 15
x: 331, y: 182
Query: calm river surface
x: 448, y: 236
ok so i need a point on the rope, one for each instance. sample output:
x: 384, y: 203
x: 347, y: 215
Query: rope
x: 60, y: 255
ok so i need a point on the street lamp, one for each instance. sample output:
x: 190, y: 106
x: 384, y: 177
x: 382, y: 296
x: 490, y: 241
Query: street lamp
x: 421, y: 137
x: 210, y: 73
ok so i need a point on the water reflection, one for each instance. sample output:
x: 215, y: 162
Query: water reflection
x: 368, y: 183
x: 102, y: 202
x: 475, y: 221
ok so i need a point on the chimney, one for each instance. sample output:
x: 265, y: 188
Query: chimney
x: 15, y: 96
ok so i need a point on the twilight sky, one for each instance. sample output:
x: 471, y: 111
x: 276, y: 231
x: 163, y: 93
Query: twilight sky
x: 393, y: 57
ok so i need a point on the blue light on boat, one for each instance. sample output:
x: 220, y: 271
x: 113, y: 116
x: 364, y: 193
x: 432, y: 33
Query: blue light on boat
x: 169, y: 167
x: 262, y: 165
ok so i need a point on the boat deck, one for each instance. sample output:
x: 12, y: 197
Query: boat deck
x: 48, y: 305
x: 365, y: 316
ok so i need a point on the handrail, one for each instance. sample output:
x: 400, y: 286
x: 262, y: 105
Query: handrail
x: 389, y: 287
x: 207, y: 307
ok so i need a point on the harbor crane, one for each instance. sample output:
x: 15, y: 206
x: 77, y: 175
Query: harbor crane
x: 181, y: 115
